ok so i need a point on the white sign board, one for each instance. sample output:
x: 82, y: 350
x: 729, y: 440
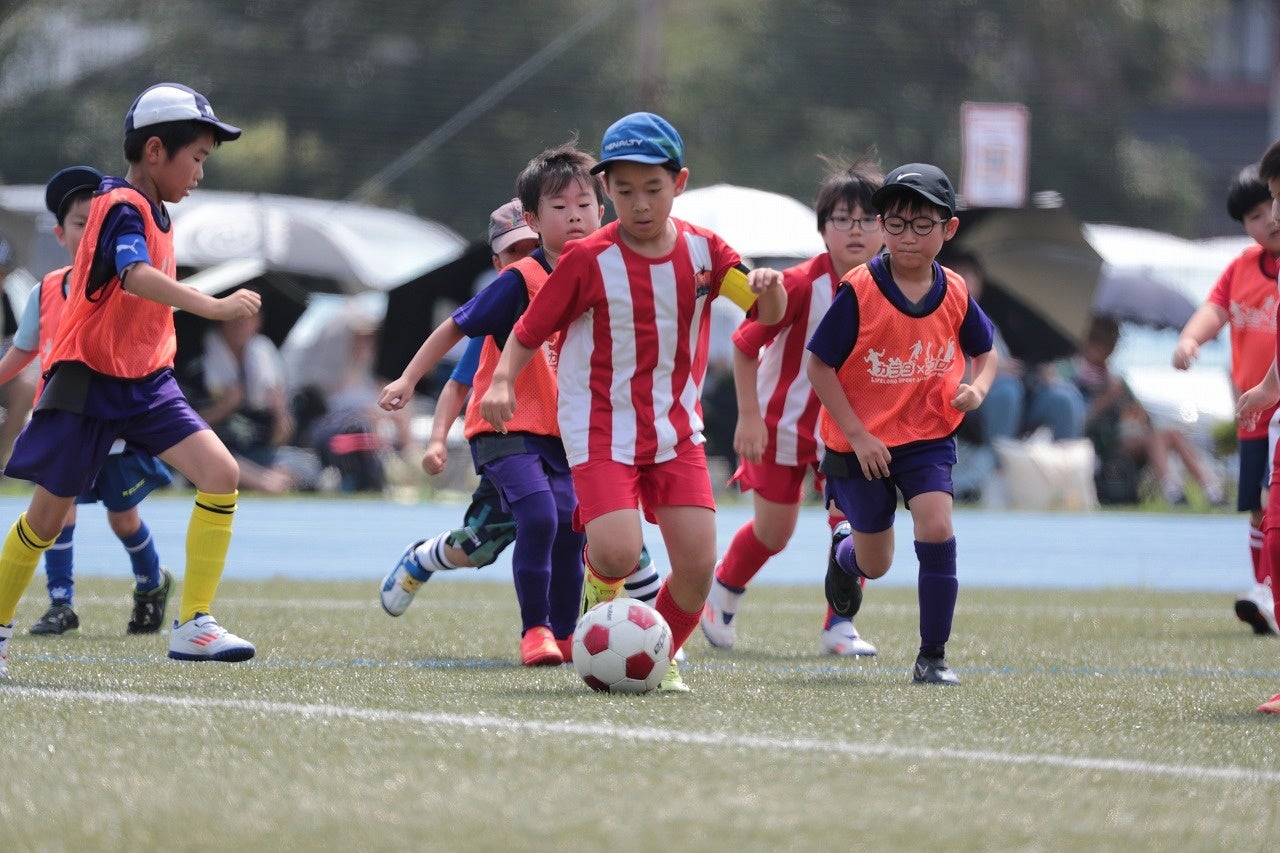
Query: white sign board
x: 994, y: 140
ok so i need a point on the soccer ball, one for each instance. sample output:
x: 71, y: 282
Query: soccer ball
x: 622, y: 646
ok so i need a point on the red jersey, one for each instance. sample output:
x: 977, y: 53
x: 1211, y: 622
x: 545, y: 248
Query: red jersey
x: 787, y: 402
x: 1246, y: 290
x: 112, y: 331
x: 905, y: 369
x: 634, y: 351
x: 535, y: 387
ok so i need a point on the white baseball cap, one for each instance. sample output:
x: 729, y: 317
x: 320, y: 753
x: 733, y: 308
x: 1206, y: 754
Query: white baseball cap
x: 165, y: 102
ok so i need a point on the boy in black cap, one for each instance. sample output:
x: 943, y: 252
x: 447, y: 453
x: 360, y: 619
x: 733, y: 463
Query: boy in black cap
x: 127, y: 476
x: 888, y: 365
x: 109, y: 370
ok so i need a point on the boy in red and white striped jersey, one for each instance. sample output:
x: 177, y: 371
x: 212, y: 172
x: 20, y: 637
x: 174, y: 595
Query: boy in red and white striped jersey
x: 633, y: 302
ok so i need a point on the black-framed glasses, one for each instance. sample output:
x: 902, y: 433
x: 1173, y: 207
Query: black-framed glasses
x: 843, y: 222
x: 921, y: 225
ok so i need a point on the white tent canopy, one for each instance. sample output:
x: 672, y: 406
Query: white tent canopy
x: 760, y: 225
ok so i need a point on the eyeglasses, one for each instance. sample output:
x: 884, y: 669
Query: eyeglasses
x: 841, y: 222
x: 921, y: 225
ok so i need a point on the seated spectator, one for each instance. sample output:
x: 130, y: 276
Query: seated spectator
x: 248, y: 402
x: 1121, y: 428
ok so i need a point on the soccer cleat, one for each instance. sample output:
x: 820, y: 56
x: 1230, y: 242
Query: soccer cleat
x: 58, y: 619
x: 1271, y: 706
x: 672, y: 682
x: 202, y: 638
x: 148, y: 607
x: 539, y: 648
x: 595, y: 590
x: 566, y: 648
x: 841, y: 638
x: 843, y: 591
x: 933, y: 671
x: 717, y: 623
x: 6, y: 631
x: 1256, y: 608
x: 401, y: 583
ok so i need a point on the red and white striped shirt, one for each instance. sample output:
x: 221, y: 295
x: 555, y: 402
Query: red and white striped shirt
x: 634, y: 351
x: 787, y: 401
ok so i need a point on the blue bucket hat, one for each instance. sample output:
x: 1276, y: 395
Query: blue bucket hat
x: 640, y: 138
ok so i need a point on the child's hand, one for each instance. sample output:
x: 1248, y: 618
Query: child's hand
x: 1186, y: 352
x: 435, y: 457
x: 873, y: 455
x: 967, y: 398
x: 763, y: 278
x: 1255, y: 399
x: 396, y: 394
x: 749, y: 438
x: 498, y: 405
x: 237, y: 304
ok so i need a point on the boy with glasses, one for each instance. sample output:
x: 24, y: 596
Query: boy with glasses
x: 888, y: 365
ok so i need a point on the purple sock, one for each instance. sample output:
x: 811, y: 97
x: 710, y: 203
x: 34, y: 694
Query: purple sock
x: 937, y: 588
x: 536, y: 526
x: 566, y: 580
x: 847, y: 559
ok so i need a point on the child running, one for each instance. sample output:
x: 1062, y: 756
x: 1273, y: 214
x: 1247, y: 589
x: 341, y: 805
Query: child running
x: 1245, y: 298
x: 779, y: 445
x: 109, y: 371
x: 889, y: 371
x: 526, y: 464
x: 632, y: 303
x: 127, y: 476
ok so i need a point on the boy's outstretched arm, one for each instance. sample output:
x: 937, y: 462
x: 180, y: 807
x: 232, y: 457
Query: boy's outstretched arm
x: 397, y: 393
x: 448, y: 406
x: 872, y: 453
x: 1204, y: 325
x: 498, y: 405
x: 144, y: 280
x: 12, y: 362
x: 1260, y: 396
x: 771, y: 296
x: 751, y: 434
x: 969, y: 396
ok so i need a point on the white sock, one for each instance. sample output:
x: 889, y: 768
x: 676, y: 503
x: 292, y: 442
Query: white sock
x: 431, y: 554
x: 643, y: 583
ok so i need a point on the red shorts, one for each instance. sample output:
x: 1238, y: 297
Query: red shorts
x: 781, y: 484
x: 605, y: 486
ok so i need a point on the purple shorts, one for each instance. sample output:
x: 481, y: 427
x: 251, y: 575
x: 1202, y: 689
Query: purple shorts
x: 63, y: 450
x: 915, y: 469
x: 520, y: 465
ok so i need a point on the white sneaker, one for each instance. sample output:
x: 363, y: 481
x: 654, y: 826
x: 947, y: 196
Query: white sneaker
x: 716, y: 623
x: 401, y: 583
x: 202, y: 638
x: 842, y: 639
x: 1257, y: 608
x: 6, y: 631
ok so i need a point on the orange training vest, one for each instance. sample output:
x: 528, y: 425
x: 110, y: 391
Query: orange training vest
x: 52, y: 301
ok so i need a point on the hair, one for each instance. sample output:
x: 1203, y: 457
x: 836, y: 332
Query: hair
x: 852, y: 183
x: 1103, y: 331
x: 1269, y: 166
x: 84, y: 194
x: 1245, y: 192
x: 174, y: 135
x: 899, y: 200
x: 553, y: 170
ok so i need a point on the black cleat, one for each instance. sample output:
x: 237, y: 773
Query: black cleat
x: 844, y: 593
x: 58, y: 619
x: 148, y: 607
x: 933, y: 671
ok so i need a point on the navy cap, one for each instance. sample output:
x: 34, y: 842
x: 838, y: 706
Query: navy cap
x: 923, y: 180
x: 68, y: 182
x: 174, y: 102
x: 640, y: 138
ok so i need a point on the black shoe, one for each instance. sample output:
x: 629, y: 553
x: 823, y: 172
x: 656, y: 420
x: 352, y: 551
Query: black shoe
x: 148, y: 607
x: 933, y: 671
x: 844, y: 593
x: 58, y: 619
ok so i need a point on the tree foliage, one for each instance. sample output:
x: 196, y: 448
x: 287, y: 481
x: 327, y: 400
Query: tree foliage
x: 330, y: 92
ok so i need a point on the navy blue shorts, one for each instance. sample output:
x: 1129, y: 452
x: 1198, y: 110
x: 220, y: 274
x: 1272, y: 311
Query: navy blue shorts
x: 64, y: 450
x: 1253, y: 474
x: 125, y: 479
x: 914, y: 469
x: 487, y: 526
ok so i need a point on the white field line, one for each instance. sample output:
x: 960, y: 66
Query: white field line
x: 658, y: 735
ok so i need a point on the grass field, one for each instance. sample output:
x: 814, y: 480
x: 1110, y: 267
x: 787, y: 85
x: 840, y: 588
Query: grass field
x: 1120, y: 719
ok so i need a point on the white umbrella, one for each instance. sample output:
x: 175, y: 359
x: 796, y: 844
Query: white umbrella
x: 760, y: 225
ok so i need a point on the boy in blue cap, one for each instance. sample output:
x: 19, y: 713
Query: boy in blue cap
x: 127, y: 476
x: 889, y: 369
x: 109, y: 371
x: 633, y: 303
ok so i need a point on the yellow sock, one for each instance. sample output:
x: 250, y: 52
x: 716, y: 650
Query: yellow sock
x: 208, y: 537
x: 18, y: 560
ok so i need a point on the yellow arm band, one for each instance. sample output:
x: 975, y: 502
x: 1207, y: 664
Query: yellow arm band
x: 736, y: 290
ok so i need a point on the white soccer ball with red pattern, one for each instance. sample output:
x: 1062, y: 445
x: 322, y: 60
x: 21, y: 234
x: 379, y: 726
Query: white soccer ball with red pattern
x: 622, y: 646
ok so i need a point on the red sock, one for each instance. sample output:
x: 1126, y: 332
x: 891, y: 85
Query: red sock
x: 681, y: 622
x: 1271, y: 560
x: 1260, y: 570
x: 745, y: 557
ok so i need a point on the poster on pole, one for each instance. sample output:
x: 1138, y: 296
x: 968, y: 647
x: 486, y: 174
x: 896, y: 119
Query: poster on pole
x: 994, y: 139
